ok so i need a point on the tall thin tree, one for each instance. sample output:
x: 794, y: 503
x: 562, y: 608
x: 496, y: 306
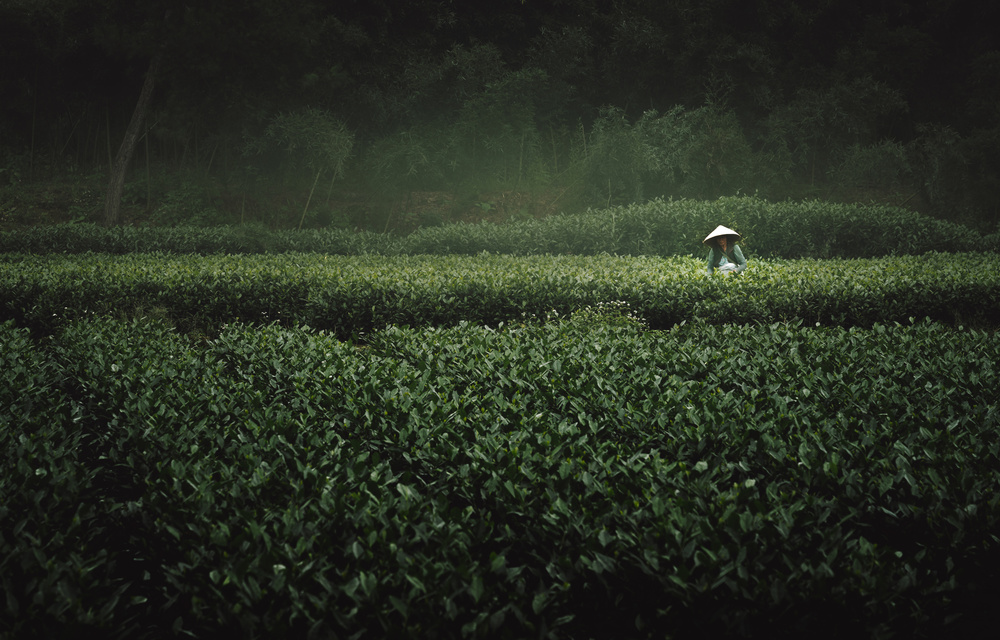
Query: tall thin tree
x: 116, y: 182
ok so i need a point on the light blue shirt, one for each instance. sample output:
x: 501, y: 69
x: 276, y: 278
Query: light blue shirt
x: 717, y: 258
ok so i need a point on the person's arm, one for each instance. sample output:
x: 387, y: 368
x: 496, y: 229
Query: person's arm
x: 741, y: 262
x: 711, y: 261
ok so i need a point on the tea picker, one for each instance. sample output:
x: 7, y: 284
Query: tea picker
x: 724, y: 254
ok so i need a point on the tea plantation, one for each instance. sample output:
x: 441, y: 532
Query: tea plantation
x: 294, y: 444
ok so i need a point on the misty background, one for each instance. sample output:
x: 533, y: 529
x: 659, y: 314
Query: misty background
x: 391, y: 115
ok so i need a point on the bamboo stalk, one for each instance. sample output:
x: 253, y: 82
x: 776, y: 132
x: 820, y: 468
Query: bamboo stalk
x: 107, y: 131
x: 520, y: 163
x: 309, y: 199
x: 211, y: 159
x: 329, y: 192
x: 149, y: 196
x: 555, y: 151
x: 34, y: 115
x: 70, y: 138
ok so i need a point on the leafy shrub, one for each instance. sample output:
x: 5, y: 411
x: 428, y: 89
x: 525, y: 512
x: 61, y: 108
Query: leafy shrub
x: 351, y: 295
x: 535, y: 479
x: 810, y: 131
x: 615, y: 313
x: 699, y: 154
x: 188, y: 202
x: 884, y: 165
x: 957, y: 175
x: 407, y: 160
x: 814, y: 229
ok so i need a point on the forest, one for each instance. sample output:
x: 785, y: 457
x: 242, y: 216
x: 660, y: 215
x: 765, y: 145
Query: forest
x: 391, y: 115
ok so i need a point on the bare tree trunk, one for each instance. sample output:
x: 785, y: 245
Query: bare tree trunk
x: 116, y: 183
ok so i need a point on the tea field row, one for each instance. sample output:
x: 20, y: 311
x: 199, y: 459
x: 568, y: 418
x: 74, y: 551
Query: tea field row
x: 540, y: 480
x: 356, y: 294
x: 807, y: 229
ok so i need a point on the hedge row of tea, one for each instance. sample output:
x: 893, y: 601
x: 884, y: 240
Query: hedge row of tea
x: 548, y: 480
x: 662, y: 227
x: 353, y: 294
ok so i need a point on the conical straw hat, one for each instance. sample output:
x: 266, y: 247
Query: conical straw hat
x: 720, y: 231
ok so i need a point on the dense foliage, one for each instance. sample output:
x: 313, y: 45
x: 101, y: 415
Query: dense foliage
x: 352, y: 295
x: 543, y: 480
x: 259, y: 106
x: 811, y: 229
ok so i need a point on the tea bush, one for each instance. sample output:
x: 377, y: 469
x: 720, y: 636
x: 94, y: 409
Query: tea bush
x: 538, y: 479
x: 503, y: 448
x: 659, y: 227
x: 353, y: 295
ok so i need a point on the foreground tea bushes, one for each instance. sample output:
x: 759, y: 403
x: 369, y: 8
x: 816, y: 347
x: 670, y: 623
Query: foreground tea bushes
x: 352, y: 295
x: 546, y: 479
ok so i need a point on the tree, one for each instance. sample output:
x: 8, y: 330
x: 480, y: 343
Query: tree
x: 816, y: 126
x: 116, y: 181
x: 216, y: 59
x: 311, y: 137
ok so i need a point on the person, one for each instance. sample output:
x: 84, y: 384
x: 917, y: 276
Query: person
x: 724, y: 254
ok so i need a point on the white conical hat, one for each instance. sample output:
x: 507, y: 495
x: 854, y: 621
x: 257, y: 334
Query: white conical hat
x: 720, y: 231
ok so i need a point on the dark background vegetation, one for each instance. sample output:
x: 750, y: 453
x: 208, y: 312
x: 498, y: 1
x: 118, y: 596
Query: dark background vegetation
x: 396, y: 114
